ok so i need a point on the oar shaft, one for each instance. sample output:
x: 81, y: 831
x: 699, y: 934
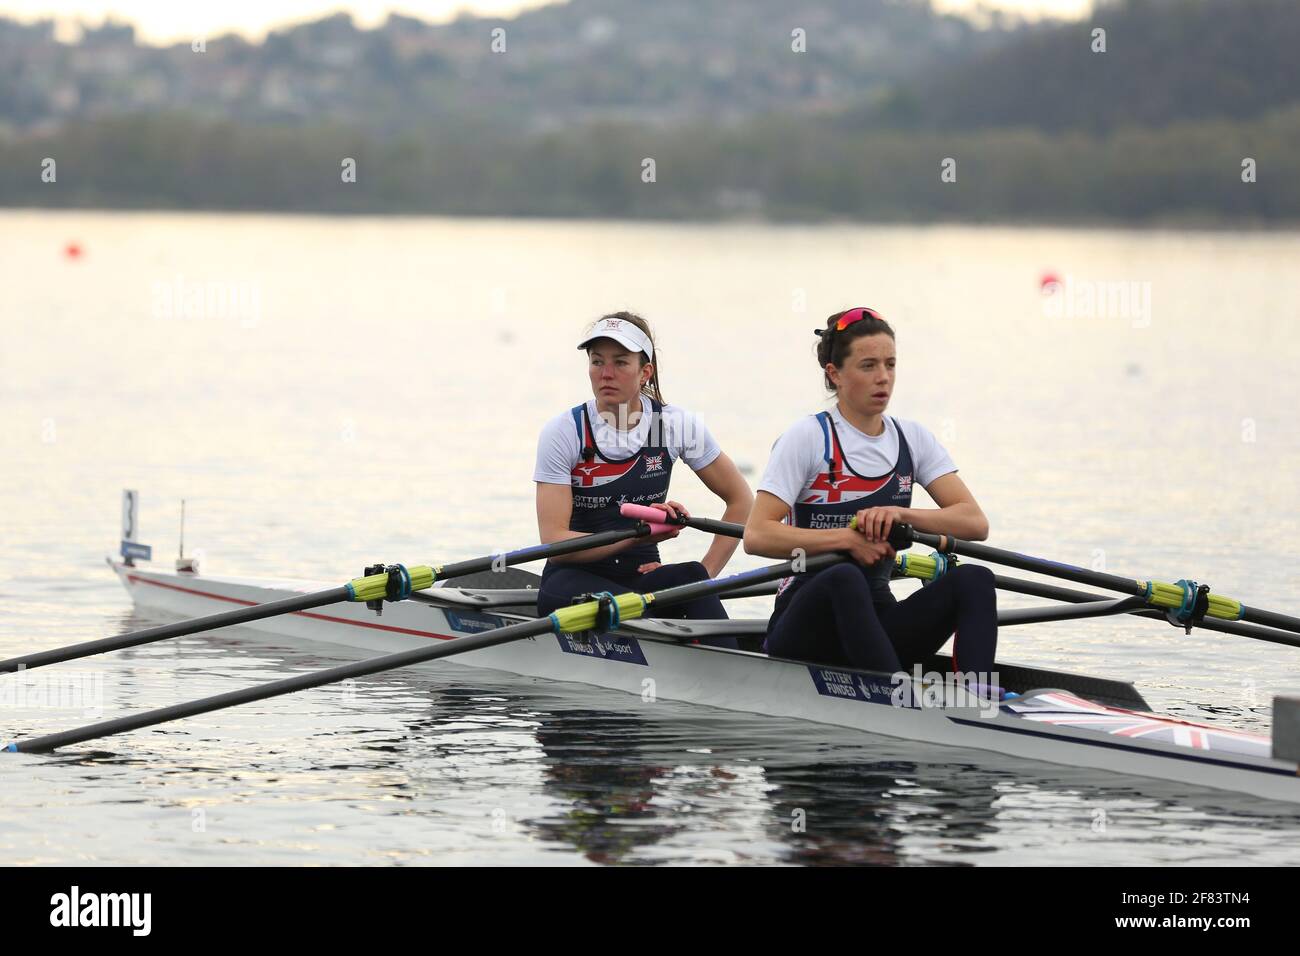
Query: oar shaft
x: 900, y: 535
x: 1055, y: 593
x: 305, y: 602
x: 1100, y: 579
x: 243, y: 615
x: 538, y: 552
x: 1026, y: 562
x: 287, y: 685
x: 419, y: 655
x: 1065, y: 612
x: 1270, y: 618
x: 728, y: 529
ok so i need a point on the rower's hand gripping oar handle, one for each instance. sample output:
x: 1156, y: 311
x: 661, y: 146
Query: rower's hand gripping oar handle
x: 901, y: 536
x: 660, y: 521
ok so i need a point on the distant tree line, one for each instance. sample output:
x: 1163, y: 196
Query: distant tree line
x: 779, y: 168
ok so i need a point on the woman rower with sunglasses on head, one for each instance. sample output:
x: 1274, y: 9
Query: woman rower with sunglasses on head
x: 619, y: 447
x: 854, y: 461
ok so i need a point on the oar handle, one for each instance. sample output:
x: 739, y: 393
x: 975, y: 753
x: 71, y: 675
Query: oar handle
x: 659, y: 519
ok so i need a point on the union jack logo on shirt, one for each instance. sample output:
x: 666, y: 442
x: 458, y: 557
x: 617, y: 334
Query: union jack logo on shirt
x: 654, y: 462
x: 585, y: 474
x: 844, y: 488
x: 904, y: 484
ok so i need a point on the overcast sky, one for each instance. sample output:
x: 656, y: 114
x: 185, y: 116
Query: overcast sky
x: 165, y: 21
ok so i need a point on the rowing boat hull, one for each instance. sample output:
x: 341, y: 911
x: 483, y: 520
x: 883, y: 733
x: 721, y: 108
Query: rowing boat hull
x: 1054, y: 727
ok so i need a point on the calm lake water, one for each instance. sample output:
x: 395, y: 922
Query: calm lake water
x: 327, y: 393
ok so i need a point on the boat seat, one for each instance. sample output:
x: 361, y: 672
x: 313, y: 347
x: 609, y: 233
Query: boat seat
x: 692, y: 630
x: 472, y: 597
x: 748, y: 632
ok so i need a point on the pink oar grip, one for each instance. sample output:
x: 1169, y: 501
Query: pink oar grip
x: 644, y: 513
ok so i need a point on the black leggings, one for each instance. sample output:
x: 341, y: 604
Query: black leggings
x: 562, y: 583
x: 831, y: 619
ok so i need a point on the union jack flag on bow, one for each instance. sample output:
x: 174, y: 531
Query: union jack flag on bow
x: 1066, y: 710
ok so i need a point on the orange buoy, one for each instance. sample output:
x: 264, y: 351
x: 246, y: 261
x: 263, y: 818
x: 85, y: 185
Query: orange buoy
x: 72, y: 250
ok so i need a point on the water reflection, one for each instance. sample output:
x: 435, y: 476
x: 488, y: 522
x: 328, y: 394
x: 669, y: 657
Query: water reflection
x: 673, y: 783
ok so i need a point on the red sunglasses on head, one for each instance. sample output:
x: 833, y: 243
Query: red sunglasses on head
x: 849, y: 317
x: 856, y: 315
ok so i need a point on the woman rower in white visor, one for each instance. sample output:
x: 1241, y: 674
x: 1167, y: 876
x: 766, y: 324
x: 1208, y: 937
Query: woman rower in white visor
x: 619, y: 447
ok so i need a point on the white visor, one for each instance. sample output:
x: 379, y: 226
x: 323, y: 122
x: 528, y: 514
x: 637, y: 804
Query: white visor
x: 621, y: 331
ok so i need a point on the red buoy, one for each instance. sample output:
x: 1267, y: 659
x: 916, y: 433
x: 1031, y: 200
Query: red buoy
x: 72, y: 250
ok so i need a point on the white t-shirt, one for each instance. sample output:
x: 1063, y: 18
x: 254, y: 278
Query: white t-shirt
x: 798, y: 456
x: 559, y: 447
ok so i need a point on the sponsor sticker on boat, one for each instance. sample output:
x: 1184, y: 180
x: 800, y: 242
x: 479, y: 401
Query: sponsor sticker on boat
x: 473, y: 622
x: 847, y: 685
x: 611, y: 647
